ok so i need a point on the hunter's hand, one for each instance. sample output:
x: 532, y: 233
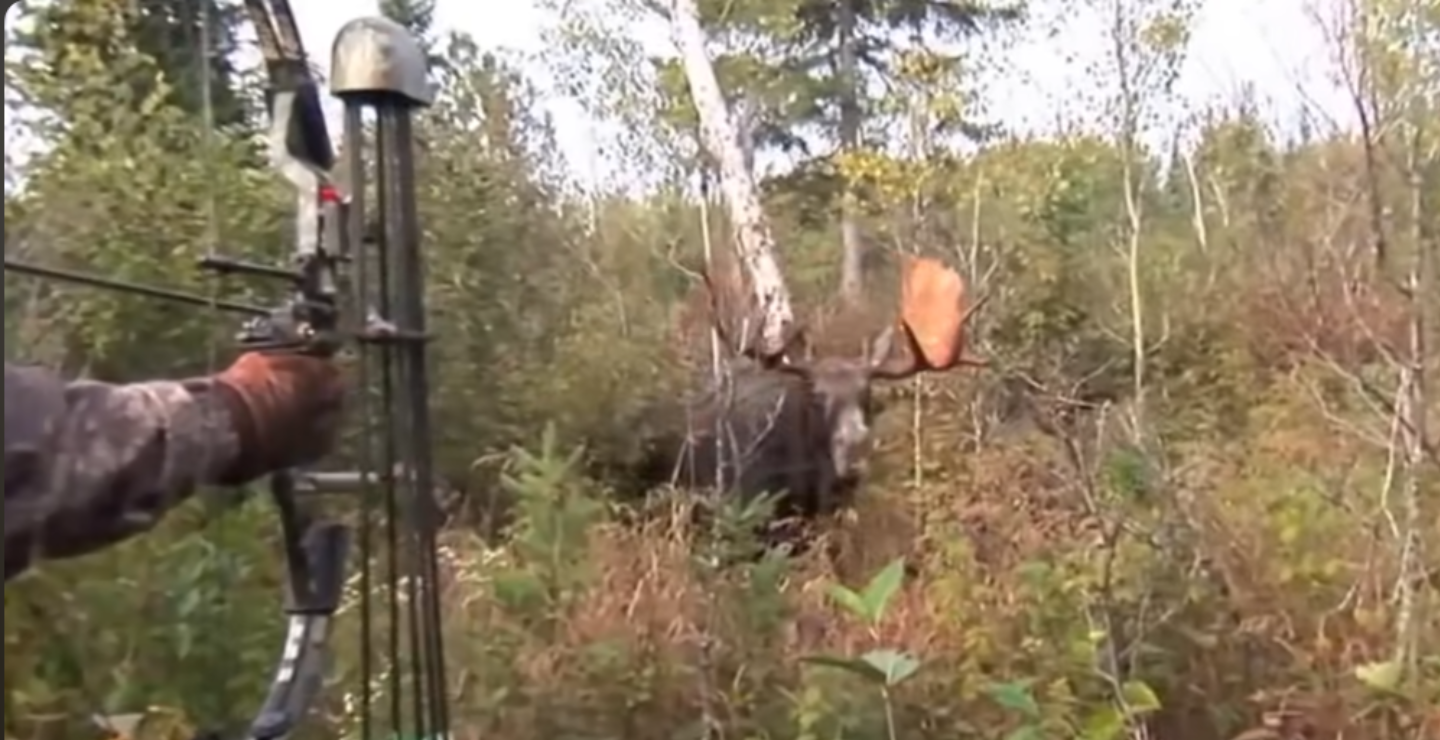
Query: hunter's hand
x: 286, y: 409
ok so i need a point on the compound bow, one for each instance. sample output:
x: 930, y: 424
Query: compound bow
x: 377, y: 67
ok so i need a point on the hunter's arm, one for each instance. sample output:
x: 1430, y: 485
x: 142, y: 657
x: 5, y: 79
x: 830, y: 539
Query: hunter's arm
x: 88, y: 464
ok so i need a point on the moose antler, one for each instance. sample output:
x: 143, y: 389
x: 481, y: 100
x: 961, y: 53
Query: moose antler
x: 933, y: 316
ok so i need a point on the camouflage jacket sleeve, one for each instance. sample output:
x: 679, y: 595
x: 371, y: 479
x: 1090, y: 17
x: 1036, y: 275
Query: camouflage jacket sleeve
x: 89, y: 464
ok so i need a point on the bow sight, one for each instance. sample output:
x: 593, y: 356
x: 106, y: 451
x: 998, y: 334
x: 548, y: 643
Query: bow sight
x: 352, y: 286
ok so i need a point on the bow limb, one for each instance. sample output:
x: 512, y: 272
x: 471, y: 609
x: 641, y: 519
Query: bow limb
x: 316, y: 554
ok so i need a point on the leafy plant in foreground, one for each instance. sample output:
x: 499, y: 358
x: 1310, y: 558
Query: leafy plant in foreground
x: 883, y: 668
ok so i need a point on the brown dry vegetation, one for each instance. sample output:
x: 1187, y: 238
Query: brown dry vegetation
x: 1230, y: 545
x: 1243, y: 568
x: 1252, y: 619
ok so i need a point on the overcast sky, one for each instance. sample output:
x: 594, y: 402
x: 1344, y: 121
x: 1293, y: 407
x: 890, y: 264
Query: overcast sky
x: 1275, y: 47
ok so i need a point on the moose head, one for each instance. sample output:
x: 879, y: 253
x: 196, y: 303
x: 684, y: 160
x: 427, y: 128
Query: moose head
x: 816, y: 413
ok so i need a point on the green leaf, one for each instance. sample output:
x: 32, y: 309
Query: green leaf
x: 853, y: 666
x: 882, y: 588
x: 1015, y: 696
x: 896, y: 666
x: 1105, y: 724
x: 1028, y: 732
x: 1383, y: 676
x: 851, y: 601
x: 1140, y: 698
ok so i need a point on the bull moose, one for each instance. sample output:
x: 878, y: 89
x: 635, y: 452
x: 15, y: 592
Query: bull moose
x: 800, y: 428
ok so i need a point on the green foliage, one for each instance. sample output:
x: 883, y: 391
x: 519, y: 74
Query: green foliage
x: 175, y: 33
x: 109, y: 634
x: 784, y: 56
x: 1134, y: 702
x: 549, y: 534
x: 869, y: 604
x: 122, y: 160
x: 883, y: 668
x: 1069, y: 581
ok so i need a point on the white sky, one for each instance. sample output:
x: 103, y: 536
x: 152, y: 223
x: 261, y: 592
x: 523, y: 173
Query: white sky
x: 1275, y: 47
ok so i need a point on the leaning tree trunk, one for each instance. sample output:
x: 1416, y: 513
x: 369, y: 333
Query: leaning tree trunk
x: 753, y: 239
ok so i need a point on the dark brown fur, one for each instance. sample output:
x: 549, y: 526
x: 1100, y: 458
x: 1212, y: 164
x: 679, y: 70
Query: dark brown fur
x: 768, y: 431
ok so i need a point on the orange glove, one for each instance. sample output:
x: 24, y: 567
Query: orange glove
x: 286, y: 409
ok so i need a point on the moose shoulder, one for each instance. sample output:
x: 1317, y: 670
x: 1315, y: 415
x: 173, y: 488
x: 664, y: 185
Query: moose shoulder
x: 802, y: 429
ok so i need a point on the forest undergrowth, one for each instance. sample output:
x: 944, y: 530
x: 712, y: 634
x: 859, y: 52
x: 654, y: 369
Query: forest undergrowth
x: 1235, y: 595
x: 1191, y: 499
x: 1031, y: 585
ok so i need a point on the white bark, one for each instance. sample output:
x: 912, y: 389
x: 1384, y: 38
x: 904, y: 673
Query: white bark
x: 753, y: 239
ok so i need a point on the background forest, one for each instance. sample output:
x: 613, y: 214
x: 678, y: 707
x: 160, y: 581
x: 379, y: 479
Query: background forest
x: 1196, y: 496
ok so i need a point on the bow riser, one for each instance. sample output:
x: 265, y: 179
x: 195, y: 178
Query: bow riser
x: 377, y: 66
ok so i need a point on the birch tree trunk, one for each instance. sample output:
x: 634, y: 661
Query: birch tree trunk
x: 754, y: 241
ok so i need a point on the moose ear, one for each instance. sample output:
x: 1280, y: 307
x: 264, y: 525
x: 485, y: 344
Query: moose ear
x: 933, y: 311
